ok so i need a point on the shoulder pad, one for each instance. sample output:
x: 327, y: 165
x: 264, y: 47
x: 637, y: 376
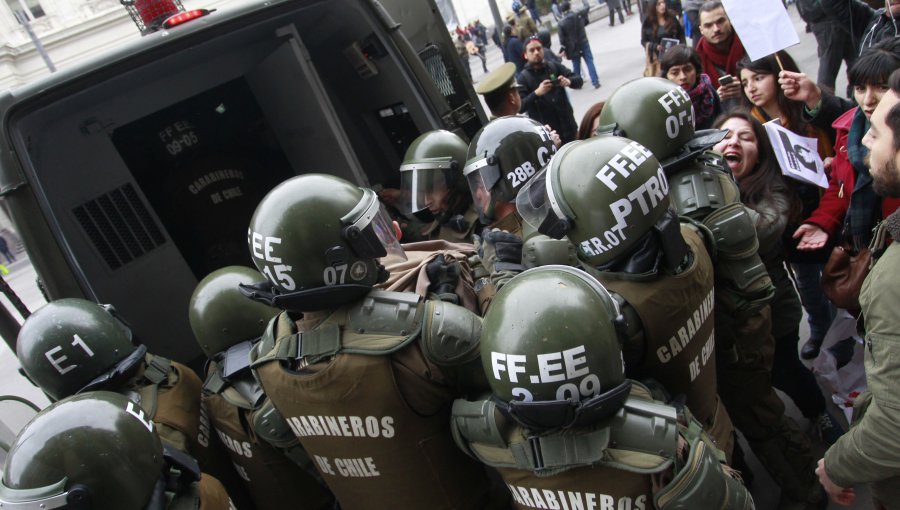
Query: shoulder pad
x: 540, y: 250
x: 385, y: 313
x: 271, y: 426
x: 641, y: 438
x: 632, y: 338
x: 700, y: 189
x: 279, y: 325
x: 734, y: 231
x: 704, y: 481
x: 450, y: 333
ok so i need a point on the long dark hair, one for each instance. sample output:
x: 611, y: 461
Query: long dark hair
x: 791, y: 111
x: 585, y: 130
x: 671, y: 19
x: 765, y: 178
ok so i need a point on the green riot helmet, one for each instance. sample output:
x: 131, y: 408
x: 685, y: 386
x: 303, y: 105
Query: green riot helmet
x: 431, y: 178
x: 554, y: 362
x: 318, y: 240
x: 604, y: 193
x: 90, y: 451
x: 221, y: 316
x: 504, y: 155
x: 73, y: 345
x: 655, y: 112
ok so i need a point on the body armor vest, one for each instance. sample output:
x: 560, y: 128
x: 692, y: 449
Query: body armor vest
x: 170, y: 393
x: 611, y: 464
x: 272, y: 478
x: 374, y: 417
x: 676, y: 314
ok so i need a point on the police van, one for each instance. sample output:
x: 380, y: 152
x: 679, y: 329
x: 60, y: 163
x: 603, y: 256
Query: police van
x: 132, y: 177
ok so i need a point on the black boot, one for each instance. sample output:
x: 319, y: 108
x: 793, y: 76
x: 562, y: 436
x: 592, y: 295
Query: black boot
x: 810, y: 349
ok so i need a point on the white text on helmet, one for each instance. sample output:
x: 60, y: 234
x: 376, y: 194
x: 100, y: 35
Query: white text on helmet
x: 262, y: 248
x: 552, y: 367
x: 138, y: 413
x: 624, y: 163
x: 648, y: 195
x: 57, y: 362
x: 676, y: 120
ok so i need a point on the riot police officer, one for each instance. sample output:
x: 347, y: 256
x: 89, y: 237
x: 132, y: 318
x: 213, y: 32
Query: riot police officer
x: 563, y: 425
x: 658, y: 114
x: 101, y: 450
x: 610, y: 197
x: 73, y: 345
x: 259, y: 441
x: 502, y: 158
x: 433, y: 188
x: 365, y: 378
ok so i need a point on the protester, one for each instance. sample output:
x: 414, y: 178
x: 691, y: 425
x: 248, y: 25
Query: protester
x: 543, y: 91
x: 868, y: 453
x: 720, y: 50
x: 681, y: 64
x: 661, y: 23
x: 753, y: 164
x: 760, y: 83
x: 575, y: 44
x: 590, y: 121
x: 849, y: 208
x: 867, y: 26
x: 832, y: 38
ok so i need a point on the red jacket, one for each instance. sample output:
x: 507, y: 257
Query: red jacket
x: 833, y: 205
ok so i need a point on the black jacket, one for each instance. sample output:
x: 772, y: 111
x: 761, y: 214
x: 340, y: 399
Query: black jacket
x: 572, y: 36
x: 552, y: 108
x: 867, y: 26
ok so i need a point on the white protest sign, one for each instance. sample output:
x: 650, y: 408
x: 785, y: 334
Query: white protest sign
x: 764, y: 26
x: 797, y: 155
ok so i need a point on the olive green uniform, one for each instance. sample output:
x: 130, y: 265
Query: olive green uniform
x: 171, y: 394
x: 674, y: 343
x: 612, y: 464
x: 272, y: 478
x: 370, y: 405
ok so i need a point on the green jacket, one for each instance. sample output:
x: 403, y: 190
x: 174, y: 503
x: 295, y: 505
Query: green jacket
x: 868, y: 452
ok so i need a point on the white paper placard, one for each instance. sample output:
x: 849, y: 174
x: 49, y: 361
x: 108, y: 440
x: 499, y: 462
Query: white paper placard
x: 764, y: 26
x: 797, y: 155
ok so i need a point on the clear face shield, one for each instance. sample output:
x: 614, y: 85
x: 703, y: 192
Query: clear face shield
x: 369, y: 230
x: 425, y: 192
x: 537, y: 205
x: 482, y: 175
x: 45, y: 498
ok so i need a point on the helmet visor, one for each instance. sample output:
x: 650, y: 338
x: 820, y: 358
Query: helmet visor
x: 532, y: 201
x: 482, y: 175
x: 424, y: 187
x: 537, y: 206
x: 370, y: 229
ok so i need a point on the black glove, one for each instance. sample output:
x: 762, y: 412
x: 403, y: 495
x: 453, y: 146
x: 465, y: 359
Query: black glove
x: 500, y: 251
x: 443, y: 278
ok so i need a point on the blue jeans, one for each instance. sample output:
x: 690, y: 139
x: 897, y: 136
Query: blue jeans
x: 818, y: 308
x: 589, y: 60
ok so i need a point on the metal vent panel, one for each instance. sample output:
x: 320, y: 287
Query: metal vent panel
x: 120, y: 227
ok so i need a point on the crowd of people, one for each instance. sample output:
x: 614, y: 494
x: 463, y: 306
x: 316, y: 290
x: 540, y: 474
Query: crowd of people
x: 579, y: 315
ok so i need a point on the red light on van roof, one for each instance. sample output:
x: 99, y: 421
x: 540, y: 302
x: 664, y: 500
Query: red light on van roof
x: 184, y: 17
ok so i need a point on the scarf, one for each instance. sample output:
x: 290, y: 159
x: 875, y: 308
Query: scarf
x: 864, y: 204
x: 711, y: 58
x: 703, y: 98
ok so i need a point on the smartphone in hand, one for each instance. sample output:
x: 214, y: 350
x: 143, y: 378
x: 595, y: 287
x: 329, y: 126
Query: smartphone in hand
x: 726, y: 80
